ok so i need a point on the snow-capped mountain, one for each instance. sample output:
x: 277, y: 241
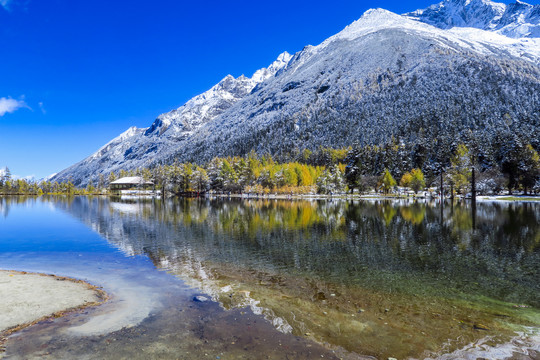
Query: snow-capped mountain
x: 514, y: 20
x: 384, y: 75
x: 202, y: 108
x: 145, y: 146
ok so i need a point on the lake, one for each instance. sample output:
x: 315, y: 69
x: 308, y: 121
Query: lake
x: 284, y: 279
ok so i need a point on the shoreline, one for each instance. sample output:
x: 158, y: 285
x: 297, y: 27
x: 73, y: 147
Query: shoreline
x: 310, y: 197
x: 479, y: 198
x: 45, y: 296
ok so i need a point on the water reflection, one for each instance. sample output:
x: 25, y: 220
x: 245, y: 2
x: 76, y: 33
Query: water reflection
x: 355, y: 275
x: 334, y: 240
x: 150, y: 314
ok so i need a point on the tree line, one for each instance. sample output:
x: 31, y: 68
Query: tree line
x: 357, y: 169
x: 511, y: 166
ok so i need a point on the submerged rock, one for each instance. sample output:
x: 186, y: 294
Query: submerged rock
x: 480, y: 327
x: 200, y: 298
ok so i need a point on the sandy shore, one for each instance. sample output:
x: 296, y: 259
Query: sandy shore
x: 27, y: 298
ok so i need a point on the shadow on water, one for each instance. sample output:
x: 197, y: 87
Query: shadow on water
x: 381, y: 278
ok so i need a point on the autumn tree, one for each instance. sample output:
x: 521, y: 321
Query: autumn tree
x: 460, y: 168
x: 417, y: 182
x: 529, y: 168
x: 406, y: 180
x: 387, y: 181
x: 199, y: 179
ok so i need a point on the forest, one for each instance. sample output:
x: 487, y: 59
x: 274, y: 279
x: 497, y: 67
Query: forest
x: 356, y: 169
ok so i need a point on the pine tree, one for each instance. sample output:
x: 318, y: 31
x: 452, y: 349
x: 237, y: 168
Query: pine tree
x: 112, y: 177
x: 214, y: 174
x: 352, y: 170
x: 331, y: 181
x: 123, y: 173
x: 101, y: 182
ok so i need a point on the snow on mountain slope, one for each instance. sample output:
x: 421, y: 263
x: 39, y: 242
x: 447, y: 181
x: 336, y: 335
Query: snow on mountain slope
x: 142, y: 147
x: 383, y: 75
x: 516, y: 20
x: 202, y: 108
x: 484, y: 42
x: 118, y: 144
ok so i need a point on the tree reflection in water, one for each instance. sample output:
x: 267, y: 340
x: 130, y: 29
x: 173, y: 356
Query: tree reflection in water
x: 356, y: 275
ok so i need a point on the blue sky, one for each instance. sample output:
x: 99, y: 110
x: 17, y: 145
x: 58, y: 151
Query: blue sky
x: 75, y: 74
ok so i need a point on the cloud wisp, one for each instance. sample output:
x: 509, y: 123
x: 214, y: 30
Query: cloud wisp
x: 43, y: 111
x: 5, y: 4
x: 9, y: 105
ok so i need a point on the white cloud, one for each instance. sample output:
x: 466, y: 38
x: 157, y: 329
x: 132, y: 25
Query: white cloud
x: 5, y: 4
x: 27, y: 177
x: 42, y: 108
x: 9, y: 105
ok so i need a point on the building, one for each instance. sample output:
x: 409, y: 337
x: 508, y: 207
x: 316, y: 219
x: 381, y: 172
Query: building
x: 131, y: 183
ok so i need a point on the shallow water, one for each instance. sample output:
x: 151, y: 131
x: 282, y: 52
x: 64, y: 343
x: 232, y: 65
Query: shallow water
x: 288, y: 279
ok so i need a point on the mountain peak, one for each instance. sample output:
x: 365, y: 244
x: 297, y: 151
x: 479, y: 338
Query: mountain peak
x: 341, y: 82
x: 284, y: 57
x: 370, y: 21
x: 265, y: 73
x: 376, y: 15
x: 515, y: 20
x: 206, y: 106
x: 133, y: 130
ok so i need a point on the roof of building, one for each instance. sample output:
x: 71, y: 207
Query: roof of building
x: 133, y: 180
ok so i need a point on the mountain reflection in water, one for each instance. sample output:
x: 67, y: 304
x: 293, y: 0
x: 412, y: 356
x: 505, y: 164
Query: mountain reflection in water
x: 383, y: 278
x: 358, y: 275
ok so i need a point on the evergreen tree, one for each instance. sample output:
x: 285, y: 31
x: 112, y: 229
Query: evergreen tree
x: 331, y: 181
x: 352, y: 170
x: 6, y: 176
x: 112, y: 177
x: 101, y: 183
x: 214, y: 174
